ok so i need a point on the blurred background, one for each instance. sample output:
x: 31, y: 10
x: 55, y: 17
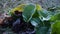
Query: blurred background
x: 6, y: 5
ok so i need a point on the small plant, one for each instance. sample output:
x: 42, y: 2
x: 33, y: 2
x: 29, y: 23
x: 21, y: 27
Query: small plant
x: 39, y: 19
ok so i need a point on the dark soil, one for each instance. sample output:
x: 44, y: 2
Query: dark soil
x: 16, y: 25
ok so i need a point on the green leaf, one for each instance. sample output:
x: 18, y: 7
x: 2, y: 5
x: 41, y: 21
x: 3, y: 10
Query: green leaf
x: 28, y: 12
x: 35, y: 21
x: 35, y: 14
x: 43, y: 27
x: 41, y: 30
x: 55, y: 17
x: 55, y: 27
x: 44, y: 14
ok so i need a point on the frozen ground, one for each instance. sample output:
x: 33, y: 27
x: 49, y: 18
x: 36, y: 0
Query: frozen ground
x: 6, y: 5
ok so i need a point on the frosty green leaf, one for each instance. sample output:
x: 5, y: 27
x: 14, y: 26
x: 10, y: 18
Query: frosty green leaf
x: 28, y: 12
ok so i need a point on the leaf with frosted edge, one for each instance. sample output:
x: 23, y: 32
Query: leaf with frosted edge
x: 35, y: 21
x: 44, y: 15
x: 28, y: 12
